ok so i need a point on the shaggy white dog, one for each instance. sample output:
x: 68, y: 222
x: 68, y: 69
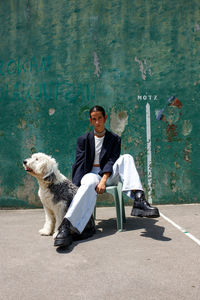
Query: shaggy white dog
x: 55, y: 190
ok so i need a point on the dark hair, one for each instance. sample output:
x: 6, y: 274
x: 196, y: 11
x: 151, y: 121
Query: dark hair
x: 98, y: 108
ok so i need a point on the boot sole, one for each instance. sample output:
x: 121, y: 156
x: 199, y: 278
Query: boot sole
x: 63, y: 242
x: 84, y: 235
x: 141, y: 213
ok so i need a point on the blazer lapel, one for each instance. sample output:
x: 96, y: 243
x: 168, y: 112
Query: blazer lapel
x: 92, y: 145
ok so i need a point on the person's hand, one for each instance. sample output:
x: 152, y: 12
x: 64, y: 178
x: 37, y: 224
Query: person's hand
x: 100, y: 188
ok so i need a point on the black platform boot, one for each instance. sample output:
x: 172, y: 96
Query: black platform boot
x: 88, y: 231
x: 141, y: 208
x: 64, y: 236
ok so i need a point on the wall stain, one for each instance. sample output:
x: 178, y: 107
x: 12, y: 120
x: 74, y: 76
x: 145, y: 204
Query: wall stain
x: 96, y: 63
x: 28, y: 10
x: 186, y: 128
x: 187, y: 152
x: 137, y: 142
x: 118, y: 121
x: 51, y: 111
x: 173, y: 181
x: 27, y: 191
x: 144, y: 68
x: 170, y: 114
x: 171, y: 131
x: 30, y: 142
x: 22, y: 124
x: 196, y: 27
x: 1, y: 189
x: 177, y: 165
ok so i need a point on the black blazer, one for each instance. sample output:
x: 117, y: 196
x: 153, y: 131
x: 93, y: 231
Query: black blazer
x: 85, y: 153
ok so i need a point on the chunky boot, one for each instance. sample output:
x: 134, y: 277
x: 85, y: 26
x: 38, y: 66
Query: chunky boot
x: 64, y: 236
x: 141, y: 208
x: 87, y: 232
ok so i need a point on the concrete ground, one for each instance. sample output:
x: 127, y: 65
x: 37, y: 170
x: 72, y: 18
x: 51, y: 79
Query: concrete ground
x: 150, y: 260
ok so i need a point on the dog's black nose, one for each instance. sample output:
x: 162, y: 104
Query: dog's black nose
x: 24, y: 162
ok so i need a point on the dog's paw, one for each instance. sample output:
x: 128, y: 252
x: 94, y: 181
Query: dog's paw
x: 55, y: 234
x: 44, y: 231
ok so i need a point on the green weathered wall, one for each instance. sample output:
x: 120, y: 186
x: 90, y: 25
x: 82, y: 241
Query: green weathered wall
x: 58, y: 58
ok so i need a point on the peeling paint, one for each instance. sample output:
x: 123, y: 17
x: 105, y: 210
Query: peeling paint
x: 171, y: 102
x: 177, y: 103
x: 177, y: 165
x: 157, y: 148
x: 137, y: 142
x: 173, y: 185
x: 171, y: 130
x: 130, y: 139
x: 172, y: 115
x: 187, y: 128
x: 196, y: 27
x: 22, y: 124
x: 51, y: 111
x: 118, y: 121
x: 96, y: 63
x: 144, y: 68
x: 187, y: 152
x: 30, y: 143
x: 173, y: 182
x: 28, y: 10
x: 197, y: 82
x: 27, y: 191
x: 140, y: 159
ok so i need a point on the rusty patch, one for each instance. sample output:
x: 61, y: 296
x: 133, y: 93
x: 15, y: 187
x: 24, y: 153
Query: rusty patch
x: 171, y: 117
x: 176, y: 103
x: 171, y: 132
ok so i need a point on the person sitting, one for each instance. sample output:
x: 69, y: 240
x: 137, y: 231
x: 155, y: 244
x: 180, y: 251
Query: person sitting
x: 99, y: 164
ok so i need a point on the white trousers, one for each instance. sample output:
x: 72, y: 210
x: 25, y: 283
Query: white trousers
x: 82, y: 206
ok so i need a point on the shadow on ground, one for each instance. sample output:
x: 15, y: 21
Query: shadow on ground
x: 151, y: 229
x: 108, y: 227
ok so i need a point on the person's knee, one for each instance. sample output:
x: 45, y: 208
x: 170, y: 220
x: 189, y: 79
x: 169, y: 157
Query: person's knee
x: 90, y: 179
x: 127, y: 157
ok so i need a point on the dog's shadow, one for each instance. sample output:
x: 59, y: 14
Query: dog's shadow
x: 108, y: 227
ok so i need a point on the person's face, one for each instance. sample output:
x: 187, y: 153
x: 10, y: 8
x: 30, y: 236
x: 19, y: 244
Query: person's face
x: 98, y: 120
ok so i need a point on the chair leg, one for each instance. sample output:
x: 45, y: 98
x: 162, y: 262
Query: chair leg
x: 123, y: 211
x: 115, y: 195
x: 121, y: 201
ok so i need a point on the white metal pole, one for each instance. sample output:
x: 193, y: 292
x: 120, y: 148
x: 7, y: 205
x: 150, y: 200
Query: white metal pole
x: 149, y: 162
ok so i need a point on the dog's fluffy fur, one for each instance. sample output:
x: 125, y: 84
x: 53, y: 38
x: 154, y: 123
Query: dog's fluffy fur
x: 55, y: 190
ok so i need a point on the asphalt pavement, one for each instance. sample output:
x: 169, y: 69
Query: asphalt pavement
x: 151, y: 259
